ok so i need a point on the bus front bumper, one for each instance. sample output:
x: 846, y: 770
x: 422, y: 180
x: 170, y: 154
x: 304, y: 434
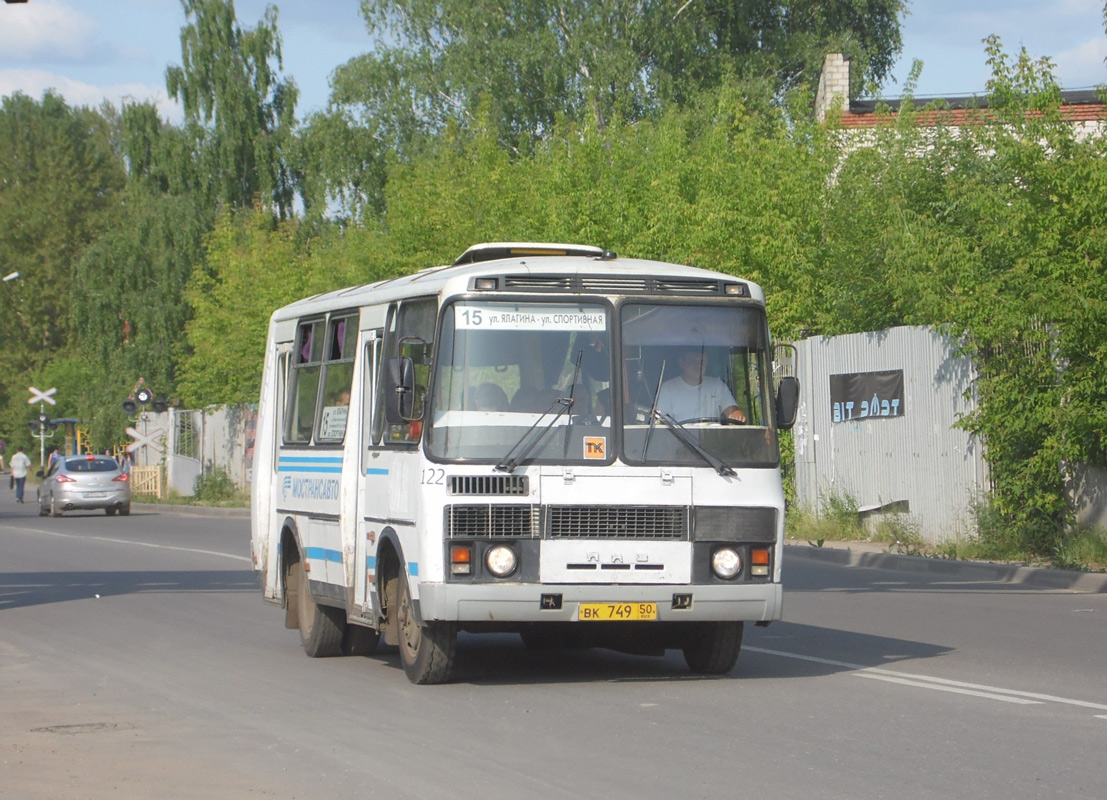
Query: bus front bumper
x: 504, y: 602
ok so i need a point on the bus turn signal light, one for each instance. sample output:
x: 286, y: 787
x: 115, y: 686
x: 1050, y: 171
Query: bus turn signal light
x: 461, y: 557
x: 759, y: 561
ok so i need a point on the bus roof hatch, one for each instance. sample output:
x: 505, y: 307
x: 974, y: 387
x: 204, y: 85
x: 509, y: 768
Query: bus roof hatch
x: 493, y: 251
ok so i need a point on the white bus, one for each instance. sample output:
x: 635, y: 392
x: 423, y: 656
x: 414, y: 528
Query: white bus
x: 541, y: 439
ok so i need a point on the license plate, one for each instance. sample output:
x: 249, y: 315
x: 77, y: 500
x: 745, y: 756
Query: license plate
x: 96, y: 494
x: 616, y: 612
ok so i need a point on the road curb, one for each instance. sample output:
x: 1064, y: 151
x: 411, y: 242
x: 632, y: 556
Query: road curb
x: 194, y: 511
x: 1091, y: 582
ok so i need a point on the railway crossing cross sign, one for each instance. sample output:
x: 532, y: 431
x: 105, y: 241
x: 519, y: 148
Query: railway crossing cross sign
x: 42, y: 397
x: 149, y: 439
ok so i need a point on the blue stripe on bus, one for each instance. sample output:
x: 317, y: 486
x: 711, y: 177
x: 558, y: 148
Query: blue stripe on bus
x: 371, y: 563
x: 309, y: 464
x: 376, y: 471
x: 323, y: 554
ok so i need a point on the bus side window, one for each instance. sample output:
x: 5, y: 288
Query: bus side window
x: 303, y: 392
x: 338, y: 375
x: 413, y: 338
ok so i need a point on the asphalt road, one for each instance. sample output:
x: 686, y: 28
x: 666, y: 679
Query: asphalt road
x: 137, y: 660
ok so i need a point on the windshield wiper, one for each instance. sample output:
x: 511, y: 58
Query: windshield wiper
x: 507, y: 463
x: 681, y: 433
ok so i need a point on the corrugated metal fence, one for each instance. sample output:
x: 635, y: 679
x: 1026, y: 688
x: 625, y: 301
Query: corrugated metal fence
x: 876, y: 420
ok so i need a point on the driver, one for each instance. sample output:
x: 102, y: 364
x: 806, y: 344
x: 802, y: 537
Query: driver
x: 694, y: 395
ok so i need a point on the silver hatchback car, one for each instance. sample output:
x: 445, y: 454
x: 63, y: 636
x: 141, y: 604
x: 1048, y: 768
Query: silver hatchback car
x: 83, y: 483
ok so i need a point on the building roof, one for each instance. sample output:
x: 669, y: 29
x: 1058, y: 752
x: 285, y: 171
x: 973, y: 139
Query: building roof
x: 1081, y: 105
x: 1077, y: 106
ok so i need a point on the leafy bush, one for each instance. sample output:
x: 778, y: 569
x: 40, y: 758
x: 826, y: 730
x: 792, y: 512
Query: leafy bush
x: 215, y: 487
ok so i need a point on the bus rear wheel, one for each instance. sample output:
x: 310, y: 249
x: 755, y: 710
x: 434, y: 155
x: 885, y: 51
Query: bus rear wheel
x: 321, y: 627
x: 427, y: 651
x: 713, y: 647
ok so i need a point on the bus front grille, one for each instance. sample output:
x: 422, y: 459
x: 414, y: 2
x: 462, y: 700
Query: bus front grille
x: 617, y: 522
x: 507, y: 485
x: 479, y: 521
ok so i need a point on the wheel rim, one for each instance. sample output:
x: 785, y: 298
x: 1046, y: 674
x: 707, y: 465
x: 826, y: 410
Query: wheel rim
x: 305, y: 606
x: 410, y: 633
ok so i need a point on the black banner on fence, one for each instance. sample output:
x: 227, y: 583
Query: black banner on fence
x: 866, y: 395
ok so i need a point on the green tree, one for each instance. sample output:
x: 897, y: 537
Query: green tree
x: 538, y: 60
x: 994, y: 233
x: 239, y: 116
x: 132, y: 309
x: 60, y: 184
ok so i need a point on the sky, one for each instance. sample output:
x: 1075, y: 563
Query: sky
x: 91, y: 50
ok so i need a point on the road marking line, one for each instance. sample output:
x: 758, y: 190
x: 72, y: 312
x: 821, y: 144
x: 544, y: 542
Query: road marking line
x: 139, y: 544
x: 934, y: 683
x: 954, y: 689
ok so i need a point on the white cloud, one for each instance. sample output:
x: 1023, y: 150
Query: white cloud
x: 34, y: 84
x: 46, y: 30
x: 1083, y: 65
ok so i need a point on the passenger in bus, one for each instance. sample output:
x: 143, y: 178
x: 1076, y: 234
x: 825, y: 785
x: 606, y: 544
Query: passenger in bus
x: 693, y: 395
x: 489, y: 397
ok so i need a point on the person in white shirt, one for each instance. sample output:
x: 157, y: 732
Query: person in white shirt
x: 20, y: 464
x: 694, y: 395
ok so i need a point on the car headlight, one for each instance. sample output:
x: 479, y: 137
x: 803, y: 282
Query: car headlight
x: 501, y: 561
x: 726, y: 563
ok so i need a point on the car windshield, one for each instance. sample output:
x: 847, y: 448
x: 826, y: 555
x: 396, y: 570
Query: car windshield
x: 506, y: 369
x: 708, y: 368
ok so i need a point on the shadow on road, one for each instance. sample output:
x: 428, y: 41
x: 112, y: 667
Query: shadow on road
x: 20, y: 589
x: 501, y: 659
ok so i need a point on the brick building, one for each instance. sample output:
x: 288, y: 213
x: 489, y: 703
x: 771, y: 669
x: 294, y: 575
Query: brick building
x: 1084, y: 108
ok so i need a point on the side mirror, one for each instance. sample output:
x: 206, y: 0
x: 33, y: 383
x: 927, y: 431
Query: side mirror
x: 38, y: 474
x: 399, y: 391
x: 787, y: 402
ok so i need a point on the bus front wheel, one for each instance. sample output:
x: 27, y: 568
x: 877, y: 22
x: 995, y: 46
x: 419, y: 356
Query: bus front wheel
x: 712, y: 648
x: 426, y: 651
x: 321, y: 627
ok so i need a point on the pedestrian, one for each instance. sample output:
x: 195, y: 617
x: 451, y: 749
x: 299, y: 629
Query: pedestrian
x: 20, y: 464
x: 3, y: 449
x: 54, y: 456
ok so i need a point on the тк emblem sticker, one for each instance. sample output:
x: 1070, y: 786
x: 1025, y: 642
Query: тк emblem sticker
x: 595, y: 447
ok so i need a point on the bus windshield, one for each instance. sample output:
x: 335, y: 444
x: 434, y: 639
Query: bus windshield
x: 696, y: 385
x: 523, y: 382
x: 509, y: 371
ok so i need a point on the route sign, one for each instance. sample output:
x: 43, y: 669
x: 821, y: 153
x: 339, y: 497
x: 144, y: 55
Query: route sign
x: 42, y: 397
x: 148, y: 439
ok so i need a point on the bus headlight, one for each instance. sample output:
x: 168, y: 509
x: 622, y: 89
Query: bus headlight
x: 726, y: 563
x: 501, y: 561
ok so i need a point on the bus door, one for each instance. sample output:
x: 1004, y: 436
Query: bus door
x: 371, y: 501
x: 393, y: 456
